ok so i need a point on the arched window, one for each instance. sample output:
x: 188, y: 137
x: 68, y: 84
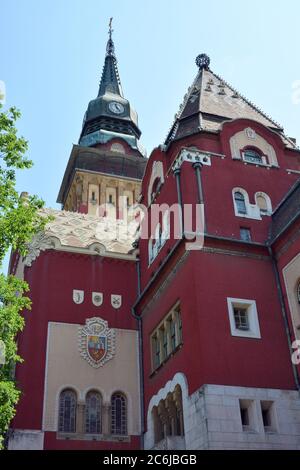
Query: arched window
x: 240, y: 202
x: 118, y: 414
x: 93, y: 413
x: 264, y: 203
x: 252, y: 156
x: 67, y: 411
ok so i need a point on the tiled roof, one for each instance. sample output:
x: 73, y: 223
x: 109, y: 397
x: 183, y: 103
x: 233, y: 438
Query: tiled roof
x: 211, y: 101
x: 73, y: 231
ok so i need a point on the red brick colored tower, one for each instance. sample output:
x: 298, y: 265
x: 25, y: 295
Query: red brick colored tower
x: 180, y: 335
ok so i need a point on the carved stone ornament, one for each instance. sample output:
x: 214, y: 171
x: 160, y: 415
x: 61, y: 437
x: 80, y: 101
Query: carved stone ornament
x: 250, y: 133
x: 116, y: 300
x: 78, y: 296
x: 97, y: 298
x: 96, y: 342
x: 41, y: 242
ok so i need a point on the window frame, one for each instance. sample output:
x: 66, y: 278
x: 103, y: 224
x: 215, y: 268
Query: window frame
x: 245, y: 230
x: 250, y: 305
x: 99, y: 411
x: 61, y: 424
x: 238, y: 202
x: 157, y: 337
x: 124, y: 415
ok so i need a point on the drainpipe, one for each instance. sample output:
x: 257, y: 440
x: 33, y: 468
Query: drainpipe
x: 198, y: 167
x: 141, y: 365
x: 284, y: 313
x: 179, y: 197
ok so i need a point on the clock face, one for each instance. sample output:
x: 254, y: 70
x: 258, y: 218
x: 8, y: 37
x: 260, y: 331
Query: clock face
x: 116, y: 107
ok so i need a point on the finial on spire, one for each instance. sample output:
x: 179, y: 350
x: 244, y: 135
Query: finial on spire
x: 110, y: 27
x: 203, y: 61
x: 110, y: 48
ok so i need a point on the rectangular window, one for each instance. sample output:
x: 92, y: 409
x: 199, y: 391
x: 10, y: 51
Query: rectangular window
x: 268, y: 416
x: 165, y: 342
x: 172, y: 333
x: 247, y: 413
x: 244, y: 416
x: 179, y: 324
x: 156, y: 351
x: 245, y: 234
x: 166, y: 337
x: 241, y: 319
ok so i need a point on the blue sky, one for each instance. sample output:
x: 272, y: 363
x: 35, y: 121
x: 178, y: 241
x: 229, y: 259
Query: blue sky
x: 52, y: 53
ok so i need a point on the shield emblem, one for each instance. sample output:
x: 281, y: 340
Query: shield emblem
x: 116, y: 301
x: 96, y: 347
x: 78, y: 296
x: 96, y: 342
x: 97, y: 298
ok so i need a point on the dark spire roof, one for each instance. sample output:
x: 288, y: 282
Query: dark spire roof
x: 210, y: 101
x: 110, y: 115
x: 110, y: 80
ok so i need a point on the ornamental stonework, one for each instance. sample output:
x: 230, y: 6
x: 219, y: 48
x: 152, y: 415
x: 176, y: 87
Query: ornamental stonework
x: 96, y: 342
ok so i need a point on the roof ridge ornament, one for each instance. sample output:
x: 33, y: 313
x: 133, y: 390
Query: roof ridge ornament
x: 203, y: 61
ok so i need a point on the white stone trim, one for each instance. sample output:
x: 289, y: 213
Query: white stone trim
x: 253, y: 211
x: 157, y: 172
x: 254, y: 331
x: 292, y: 301
x: 178, y: 379
x: 26, y: 439
x: 267, y: 199
x: 46, y: 377
x: 248, y: 137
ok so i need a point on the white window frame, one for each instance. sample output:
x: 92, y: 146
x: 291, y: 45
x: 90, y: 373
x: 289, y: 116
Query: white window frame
x: 264, y: 161
x: 254, y: 329
x: 253, y: 211
x: 268, y: 202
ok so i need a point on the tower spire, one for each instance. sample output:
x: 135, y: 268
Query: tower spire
x: 110, y: 79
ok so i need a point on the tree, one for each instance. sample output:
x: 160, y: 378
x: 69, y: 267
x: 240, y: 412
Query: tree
x: 20, y: 220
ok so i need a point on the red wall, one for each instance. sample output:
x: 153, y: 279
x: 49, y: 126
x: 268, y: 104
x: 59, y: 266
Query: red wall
x: 52, y: 278
x: 209, y: 353
x: 218, y: 181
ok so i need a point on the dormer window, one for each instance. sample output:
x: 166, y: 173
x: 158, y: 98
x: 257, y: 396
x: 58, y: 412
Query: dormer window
x: 240, y: 203
x: 253, y: 156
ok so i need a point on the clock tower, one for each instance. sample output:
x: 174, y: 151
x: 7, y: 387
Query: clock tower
x: 105, y: 169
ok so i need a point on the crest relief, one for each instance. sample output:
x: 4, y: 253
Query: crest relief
x: 97, y: 298
x: 78, y: 296
x: 116, y: 301
x: 96, y: 342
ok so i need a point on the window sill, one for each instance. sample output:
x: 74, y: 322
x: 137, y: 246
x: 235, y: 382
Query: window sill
x: 249, y: 430
x: 76, y: 436
x: 156, y: 370
x: 260, y: 165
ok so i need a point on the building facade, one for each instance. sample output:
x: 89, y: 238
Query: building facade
x: 166, y: 292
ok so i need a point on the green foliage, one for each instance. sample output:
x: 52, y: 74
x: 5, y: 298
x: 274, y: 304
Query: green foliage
x: 20, y: 220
